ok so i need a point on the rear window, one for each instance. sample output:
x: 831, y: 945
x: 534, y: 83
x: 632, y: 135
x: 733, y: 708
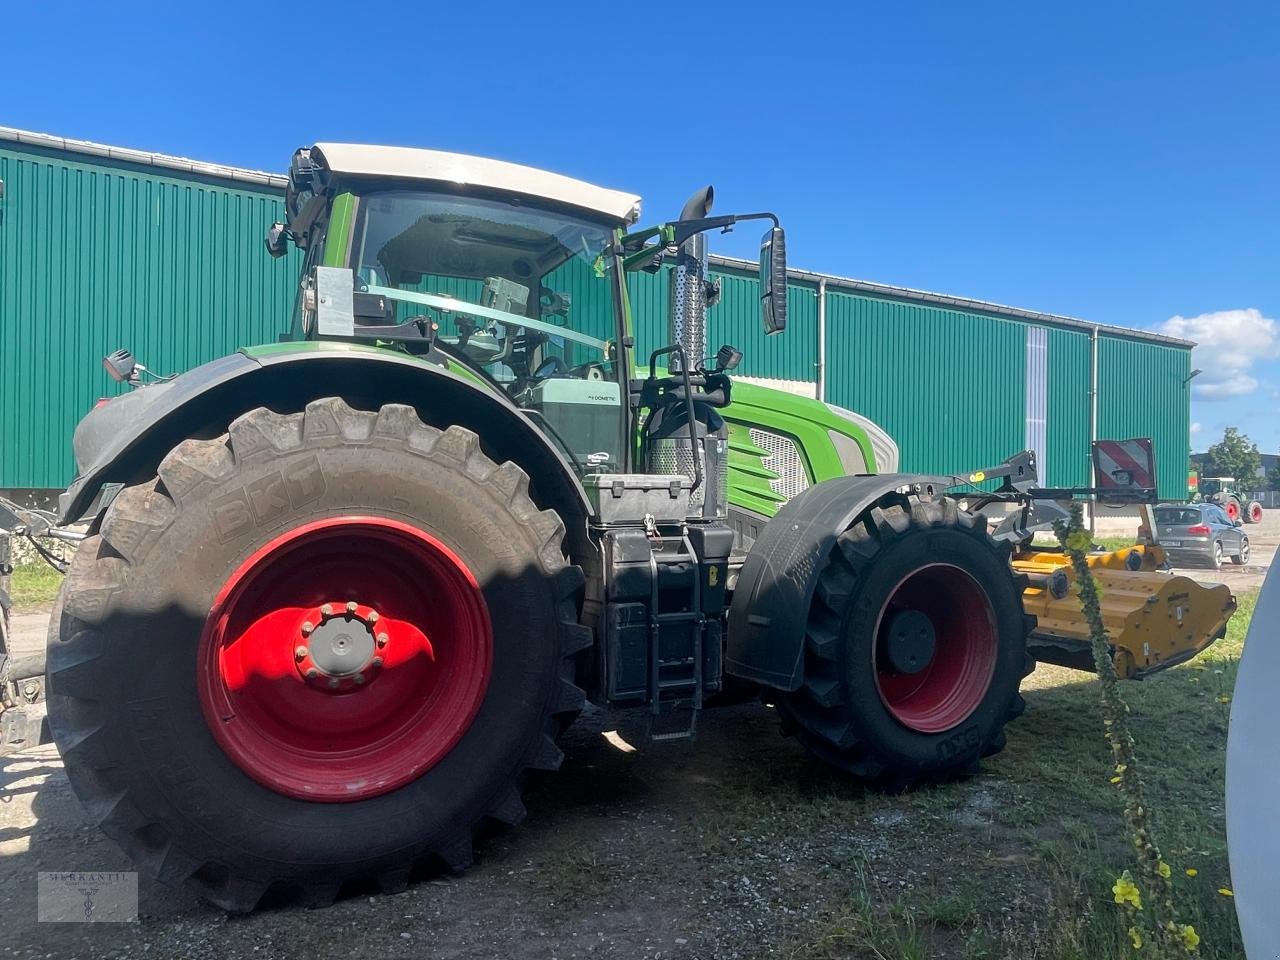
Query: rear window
x: 1178, y: 515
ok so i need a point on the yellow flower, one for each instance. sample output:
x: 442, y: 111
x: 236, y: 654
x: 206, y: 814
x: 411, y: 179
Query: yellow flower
x: 1115, y: 779
x: 1163, y: 870
x: 1136, y: 938
x: 1126, y: 891
x: 1192, y: 871
x: 1121, y: 768
x: 1224, y: 699
x: 1225, y: 891
x: 1190, y: 939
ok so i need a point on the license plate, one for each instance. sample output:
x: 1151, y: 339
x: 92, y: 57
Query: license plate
x: 1170, y: 543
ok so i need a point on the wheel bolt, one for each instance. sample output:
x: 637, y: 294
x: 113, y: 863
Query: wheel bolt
x: 300, y: 653
x: 307, y: 628
x: 333, y: 683
x: 383, y: 639
x: 312, y: 673
x: 376, y: 662
x: 358, y: 678
x: 373, y: 616
x: 326, y: 609
x: 351, y: 606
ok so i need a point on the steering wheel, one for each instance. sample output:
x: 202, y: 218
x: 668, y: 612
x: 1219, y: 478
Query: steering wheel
x: 549, y: 368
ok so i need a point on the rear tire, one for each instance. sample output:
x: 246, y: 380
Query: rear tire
x: 856, y: 709
x: 130, y: 674
x: 1242, y: 557
x: 1217, y: 554
x: 1253, y: 512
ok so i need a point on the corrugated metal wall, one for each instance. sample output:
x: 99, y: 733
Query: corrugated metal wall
x: 96, y: 255
x: 1068, y: 433
x: 736, y: 319
x: 950, y: 387
x: 1144, y: 391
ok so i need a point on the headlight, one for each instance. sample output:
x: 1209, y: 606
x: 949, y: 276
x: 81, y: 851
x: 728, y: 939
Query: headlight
x: 882, y: 445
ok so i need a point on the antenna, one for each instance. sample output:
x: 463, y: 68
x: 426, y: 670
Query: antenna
x: 1253, y: 779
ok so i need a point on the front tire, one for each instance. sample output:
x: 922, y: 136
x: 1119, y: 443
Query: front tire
x: 213, y: 685
x: 915, y: 649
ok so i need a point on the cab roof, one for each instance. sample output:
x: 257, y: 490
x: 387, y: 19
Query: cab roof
x: 412, y: 163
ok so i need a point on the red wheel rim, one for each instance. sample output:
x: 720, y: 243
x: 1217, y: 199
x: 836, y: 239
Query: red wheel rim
x: 1233, y: 510
x: 344, y: 658
x: 956, y: 677
x: 1255, y: 513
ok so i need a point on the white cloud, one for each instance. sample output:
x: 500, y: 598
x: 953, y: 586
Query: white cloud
x: 1195, y: 427
x: 1229, y: 342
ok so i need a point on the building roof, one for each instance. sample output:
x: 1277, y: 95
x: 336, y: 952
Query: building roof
x: 950, y: 302
x: 127, y: 155
x: 415, y: 163
x: 455, y: 167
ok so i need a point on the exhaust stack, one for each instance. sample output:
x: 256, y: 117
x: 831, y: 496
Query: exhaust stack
x: 687, y: 319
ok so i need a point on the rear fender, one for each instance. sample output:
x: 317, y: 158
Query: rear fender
x: 775, y: 587
x: 124, y: 440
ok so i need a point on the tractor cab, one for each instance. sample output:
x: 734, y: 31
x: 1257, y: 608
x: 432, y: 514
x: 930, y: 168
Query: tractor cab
x: 515, y: 278
x: 1212, y: 486
x: 501, y: 273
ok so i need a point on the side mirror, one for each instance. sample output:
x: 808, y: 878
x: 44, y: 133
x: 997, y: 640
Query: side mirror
x: 1237, y: 523
x: 277, y: 240
x: 773, y: 280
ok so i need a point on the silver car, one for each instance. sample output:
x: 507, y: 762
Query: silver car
x: 1200, y: 533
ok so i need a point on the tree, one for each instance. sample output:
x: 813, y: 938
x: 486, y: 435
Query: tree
x: 1234, y: 456
x: 1273, y: 478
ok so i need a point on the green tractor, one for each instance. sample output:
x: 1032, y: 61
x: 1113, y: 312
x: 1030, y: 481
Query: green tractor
x: 1226, y: 492
x: 341, y: 594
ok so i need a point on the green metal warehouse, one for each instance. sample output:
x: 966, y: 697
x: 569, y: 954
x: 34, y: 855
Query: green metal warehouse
x: 102, y: 247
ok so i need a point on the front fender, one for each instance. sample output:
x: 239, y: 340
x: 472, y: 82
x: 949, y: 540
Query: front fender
x: 124, y: 440
x: 775, y: 588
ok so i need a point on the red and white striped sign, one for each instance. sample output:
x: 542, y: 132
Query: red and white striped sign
x: 1126, y: 465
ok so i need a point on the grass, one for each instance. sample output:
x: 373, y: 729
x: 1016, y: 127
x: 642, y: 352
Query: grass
x: 1107, y: 543
x: 1016, y: 863
x: 34, y: 585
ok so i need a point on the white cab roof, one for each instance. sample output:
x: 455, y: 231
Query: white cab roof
x: 413, y: 163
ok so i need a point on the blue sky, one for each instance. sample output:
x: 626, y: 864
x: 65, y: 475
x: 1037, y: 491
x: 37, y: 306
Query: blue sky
x: 1108, y: 161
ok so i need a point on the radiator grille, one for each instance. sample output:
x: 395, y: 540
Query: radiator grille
x: 783, y: 458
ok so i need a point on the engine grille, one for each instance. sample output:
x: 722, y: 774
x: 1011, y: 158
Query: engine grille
x: 784, y: 460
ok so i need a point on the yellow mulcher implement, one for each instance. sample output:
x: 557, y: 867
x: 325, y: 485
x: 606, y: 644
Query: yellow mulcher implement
x: 1154, y: 618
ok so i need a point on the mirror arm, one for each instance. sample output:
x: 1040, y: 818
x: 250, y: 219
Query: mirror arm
x: 682, y: 230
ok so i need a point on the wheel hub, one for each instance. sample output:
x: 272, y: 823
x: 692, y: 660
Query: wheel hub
x: 910, y: 641
x: 340, y: 650
x: 344, y: 658
x: 936, y: 646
